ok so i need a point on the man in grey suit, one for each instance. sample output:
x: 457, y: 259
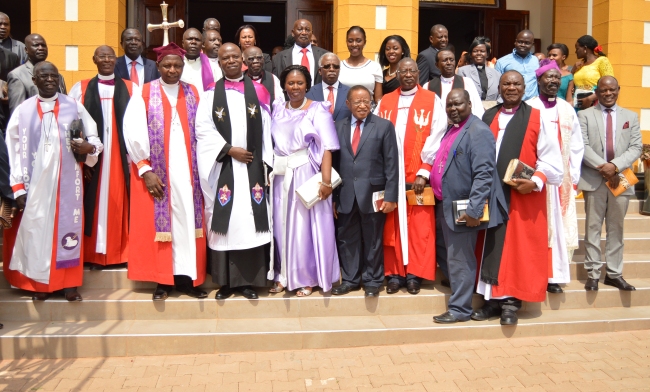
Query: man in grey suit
x: 133, y: 66
x: 427, y: 59
x: 331, y: 89
x: 9, y: 43
x: 20, y: 80
x: 367, y: 163
x: 301, y: 53
x: 464, y: 169
x: 8, y: 62
x: 612, y: 144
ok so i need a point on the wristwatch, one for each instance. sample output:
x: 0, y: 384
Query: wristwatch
x: 615, y: 168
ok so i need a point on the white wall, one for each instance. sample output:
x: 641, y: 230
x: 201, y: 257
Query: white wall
x: 540, y: 20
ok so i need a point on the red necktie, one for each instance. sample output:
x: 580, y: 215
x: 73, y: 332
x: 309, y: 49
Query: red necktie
x: 356, y: 137
x: 134, y: 74
x: 609, y: 138
x: 305, y: 61
x: 330, y: 98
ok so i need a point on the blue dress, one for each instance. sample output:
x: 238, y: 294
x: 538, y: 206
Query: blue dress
x: 564, y: 86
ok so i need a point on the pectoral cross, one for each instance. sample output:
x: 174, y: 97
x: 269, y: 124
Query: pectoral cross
x: 165, y: 26
x: 47, y: 145
x: 440, y: 166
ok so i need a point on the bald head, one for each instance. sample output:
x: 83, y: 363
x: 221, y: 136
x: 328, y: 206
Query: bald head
x: 104, y: 58
x: 46, y: 79
x: 192, y: 42
x: 36, y: 48
x: 607, y: 91
x: 230, y: 60
x: 301, y: 32
x: 524, y: 43
x: 458, y: 105
x: 408, y: 74
x: 211, y: 24
x: 254, y: 60
x: 104, y: 49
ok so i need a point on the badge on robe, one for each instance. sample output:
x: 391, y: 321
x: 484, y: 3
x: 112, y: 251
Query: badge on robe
x: 220, y: 112
x: 258, y: 193
x: 224, y: 195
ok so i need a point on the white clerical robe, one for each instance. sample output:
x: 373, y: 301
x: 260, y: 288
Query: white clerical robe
x: 446, y: 86
x: 192, y: 73
x: 437, y: 130
x: 549, y: 163
x: 279, y: 94
x: 561, y: 206
x: 32, y: 253
x: 216, y: 69
x: 136, y: 136
x: 209, y: 143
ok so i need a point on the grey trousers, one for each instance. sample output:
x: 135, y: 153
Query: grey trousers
x: 602, y: 205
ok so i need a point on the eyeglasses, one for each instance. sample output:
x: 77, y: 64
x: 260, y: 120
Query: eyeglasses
x: 359, y: 103
x: 407, y: 71
x: 255, y: 58
x: 328, y: 66
x: 45, y: 77
x: 106, y: 57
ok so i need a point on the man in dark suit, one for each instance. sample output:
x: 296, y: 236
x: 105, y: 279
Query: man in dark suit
x: 464, y: 169
x: 8, y: 62
x: 132, y: 66
x: 331, y: 89
x: 439, y: 38
x: 11, y: 44
x: 367, y: 163
x: 301, y: 53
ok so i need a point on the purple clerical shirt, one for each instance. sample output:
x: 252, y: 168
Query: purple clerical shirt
x: 441, y: 158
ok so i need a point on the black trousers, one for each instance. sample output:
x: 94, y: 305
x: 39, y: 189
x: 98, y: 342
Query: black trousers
x: 182, y: 282
x: 360, y: 241
x: 510, y: 303
x: 441, y: 247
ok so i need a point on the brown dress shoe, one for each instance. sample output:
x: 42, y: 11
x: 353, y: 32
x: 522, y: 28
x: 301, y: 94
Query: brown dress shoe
x: 73, y: 296
x: 160, y: 294
x: 392, y: 287
x: 40, y: 296
x: 619, y: 283
x: 591, y: 285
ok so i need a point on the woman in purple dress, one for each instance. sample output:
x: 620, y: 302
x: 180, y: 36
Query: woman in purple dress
x: 304, y: 136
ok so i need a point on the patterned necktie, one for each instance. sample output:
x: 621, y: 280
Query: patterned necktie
x: 134, y: 74
x: 609, y: 137
x: 305, y: 61
x: 356, y: 137
x: 330, y: 98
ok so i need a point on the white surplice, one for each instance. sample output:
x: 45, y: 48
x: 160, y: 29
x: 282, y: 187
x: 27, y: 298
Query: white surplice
x: 32, y: 254
x: 549, y: 163
x: 216, y: 69
x: 437, y: 130
x: 562, y: 218
x: 192, y: 73
x: 475, y: 98
x: 279, y: 94
x: 181, y: 196
x: 241, y: 229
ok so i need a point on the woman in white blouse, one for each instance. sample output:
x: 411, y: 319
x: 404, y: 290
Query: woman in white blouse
x: 358, y: 70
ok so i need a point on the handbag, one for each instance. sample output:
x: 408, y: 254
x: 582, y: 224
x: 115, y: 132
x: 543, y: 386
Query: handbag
x: 308, y: 191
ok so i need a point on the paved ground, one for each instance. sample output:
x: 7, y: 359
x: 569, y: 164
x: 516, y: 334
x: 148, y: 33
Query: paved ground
x: 596, y: 362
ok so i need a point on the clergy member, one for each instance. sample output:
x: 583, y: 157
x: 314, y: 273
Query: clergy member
x: 211, y: 44
x: 211, y: 24
x: 197, y: 70
x: 448, y: 79
x: 516, y: 255
x: 44, y: 254
x: 254, y: 60
x: 235, y: 153
x: 409, y: 237
x: 166, y: 230
x: 560, y: 118
x: 106, y: 192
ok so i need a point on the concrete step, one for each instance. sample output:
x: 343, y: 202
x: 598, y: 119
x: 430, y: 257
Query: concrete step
x: 634, y: 243
x: 635, y: 206
x: 124, y: 304
x: 19, y: 340
x: 634, y: 266
x: 633, y: 224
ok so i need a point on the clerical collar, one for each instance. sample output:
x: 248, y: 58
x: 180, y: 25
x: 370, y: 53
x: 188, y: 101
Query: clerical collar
x: 239, y: 79
x: 50, y: 99
x: 167, y: 84
x: 192, y: 61
x: 447, y: 80
x: 214, y: 60
x: 548, y: 102
x: 255, y: 77
x: 511, y: 111
x: 410, y: 92
x: 109, y: 77
x: 462, y: 123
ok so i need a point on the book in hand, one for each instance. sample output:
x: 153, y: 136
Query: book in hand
x: 76, y: 134
x: 426, y: 198
x: 517, y: 170
x: 628, y: 179
x: 377, y: 200
x: 308, y: 191
x: 460, y: 206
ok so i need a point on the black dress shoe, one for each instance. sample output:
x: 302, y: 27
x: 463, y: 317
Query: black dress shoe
x: 591, y: 285
x: 509, y: 317
x: 413, y: 287
x: 223, y: 293
x: 371, y: 291
x: 193, y: 292
x: 447, y: 318
x: 73, y: 296
x: 619, y: 283
x: 248, y: 292
x: 96, y: 267
x: 160, y: 294
x: 344, y: 288
x: 392, y: 287
x: 40, y: 296
x: 1, y: 326
x: 554, y: 288
x: 445, y: 282
x: 485, y: 313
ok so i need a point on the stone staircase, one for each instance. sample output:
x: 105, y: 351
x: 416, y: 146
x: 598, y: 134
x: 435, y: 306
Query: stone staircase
x: 118, y: 318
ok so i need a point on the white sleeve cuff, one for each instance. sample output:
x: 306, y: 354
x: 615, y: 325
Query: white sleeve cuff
x: 144, y: 169
x: 538, y: 181
x: 19, y: 192
x: 423, y: 173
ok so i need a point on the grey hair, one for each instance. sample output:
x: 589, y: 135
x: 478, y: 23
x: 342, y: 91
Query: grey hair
x: 328, y: 54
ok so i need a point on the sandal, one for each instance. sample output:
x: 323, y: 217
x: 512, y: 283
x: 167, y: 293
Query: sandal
x: 304, y: 292
x: 277, y: 288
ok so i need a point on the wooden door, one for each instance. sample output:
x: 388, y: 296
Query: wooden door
x: 502, y: 26
x: 319, y: 13
x: 149, y: 11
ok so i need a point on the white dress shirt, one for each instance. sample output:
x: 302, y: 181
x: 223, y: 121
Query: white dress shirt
x: 192, y: 73
x: 139, y: 68
x: 604, y: 113
x: 326, y: 90
x: 297, y: 59
x: 354, y: 125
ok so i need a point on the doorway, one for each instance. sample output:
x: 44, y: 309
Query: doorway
x: 463, y: 25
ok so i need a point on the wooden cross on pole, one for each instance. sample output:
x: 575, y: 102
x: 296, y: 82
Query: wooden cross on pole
x: 165, y: 26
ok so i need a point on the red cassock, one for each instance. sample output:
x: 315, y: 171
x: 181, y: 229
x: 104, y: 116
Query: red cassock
x: 117, y: 231
x: 151, y: 260
x: 526, y: 258
x: 421, y: 219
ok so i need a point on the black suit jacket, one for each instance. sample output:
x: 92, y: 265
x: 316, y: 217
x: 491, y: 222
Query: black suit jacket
x: 150, y: 70
x: 341, y: 110
x: 427, y: 64
x: 285, y: 58
x: 8, y: 62
x: 374, y: 168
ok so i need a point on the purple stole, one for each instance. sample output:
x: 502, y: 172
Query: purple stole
x: 206, y: 72
x: 70, y: 190
x: 158, y: 160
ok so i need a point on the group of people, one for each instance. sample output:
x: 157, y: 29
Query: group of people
x: 302, y: 170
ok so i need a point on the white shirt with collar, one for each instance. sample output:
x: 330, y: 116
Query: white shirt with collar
x: 192, y: 73
x: 326, y: 90
x: 216, y: 69
x: 604, y: 114
x: 139, y: 68
x: 353, y: 126
x: 446, y: 85
x: 297, y: 59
